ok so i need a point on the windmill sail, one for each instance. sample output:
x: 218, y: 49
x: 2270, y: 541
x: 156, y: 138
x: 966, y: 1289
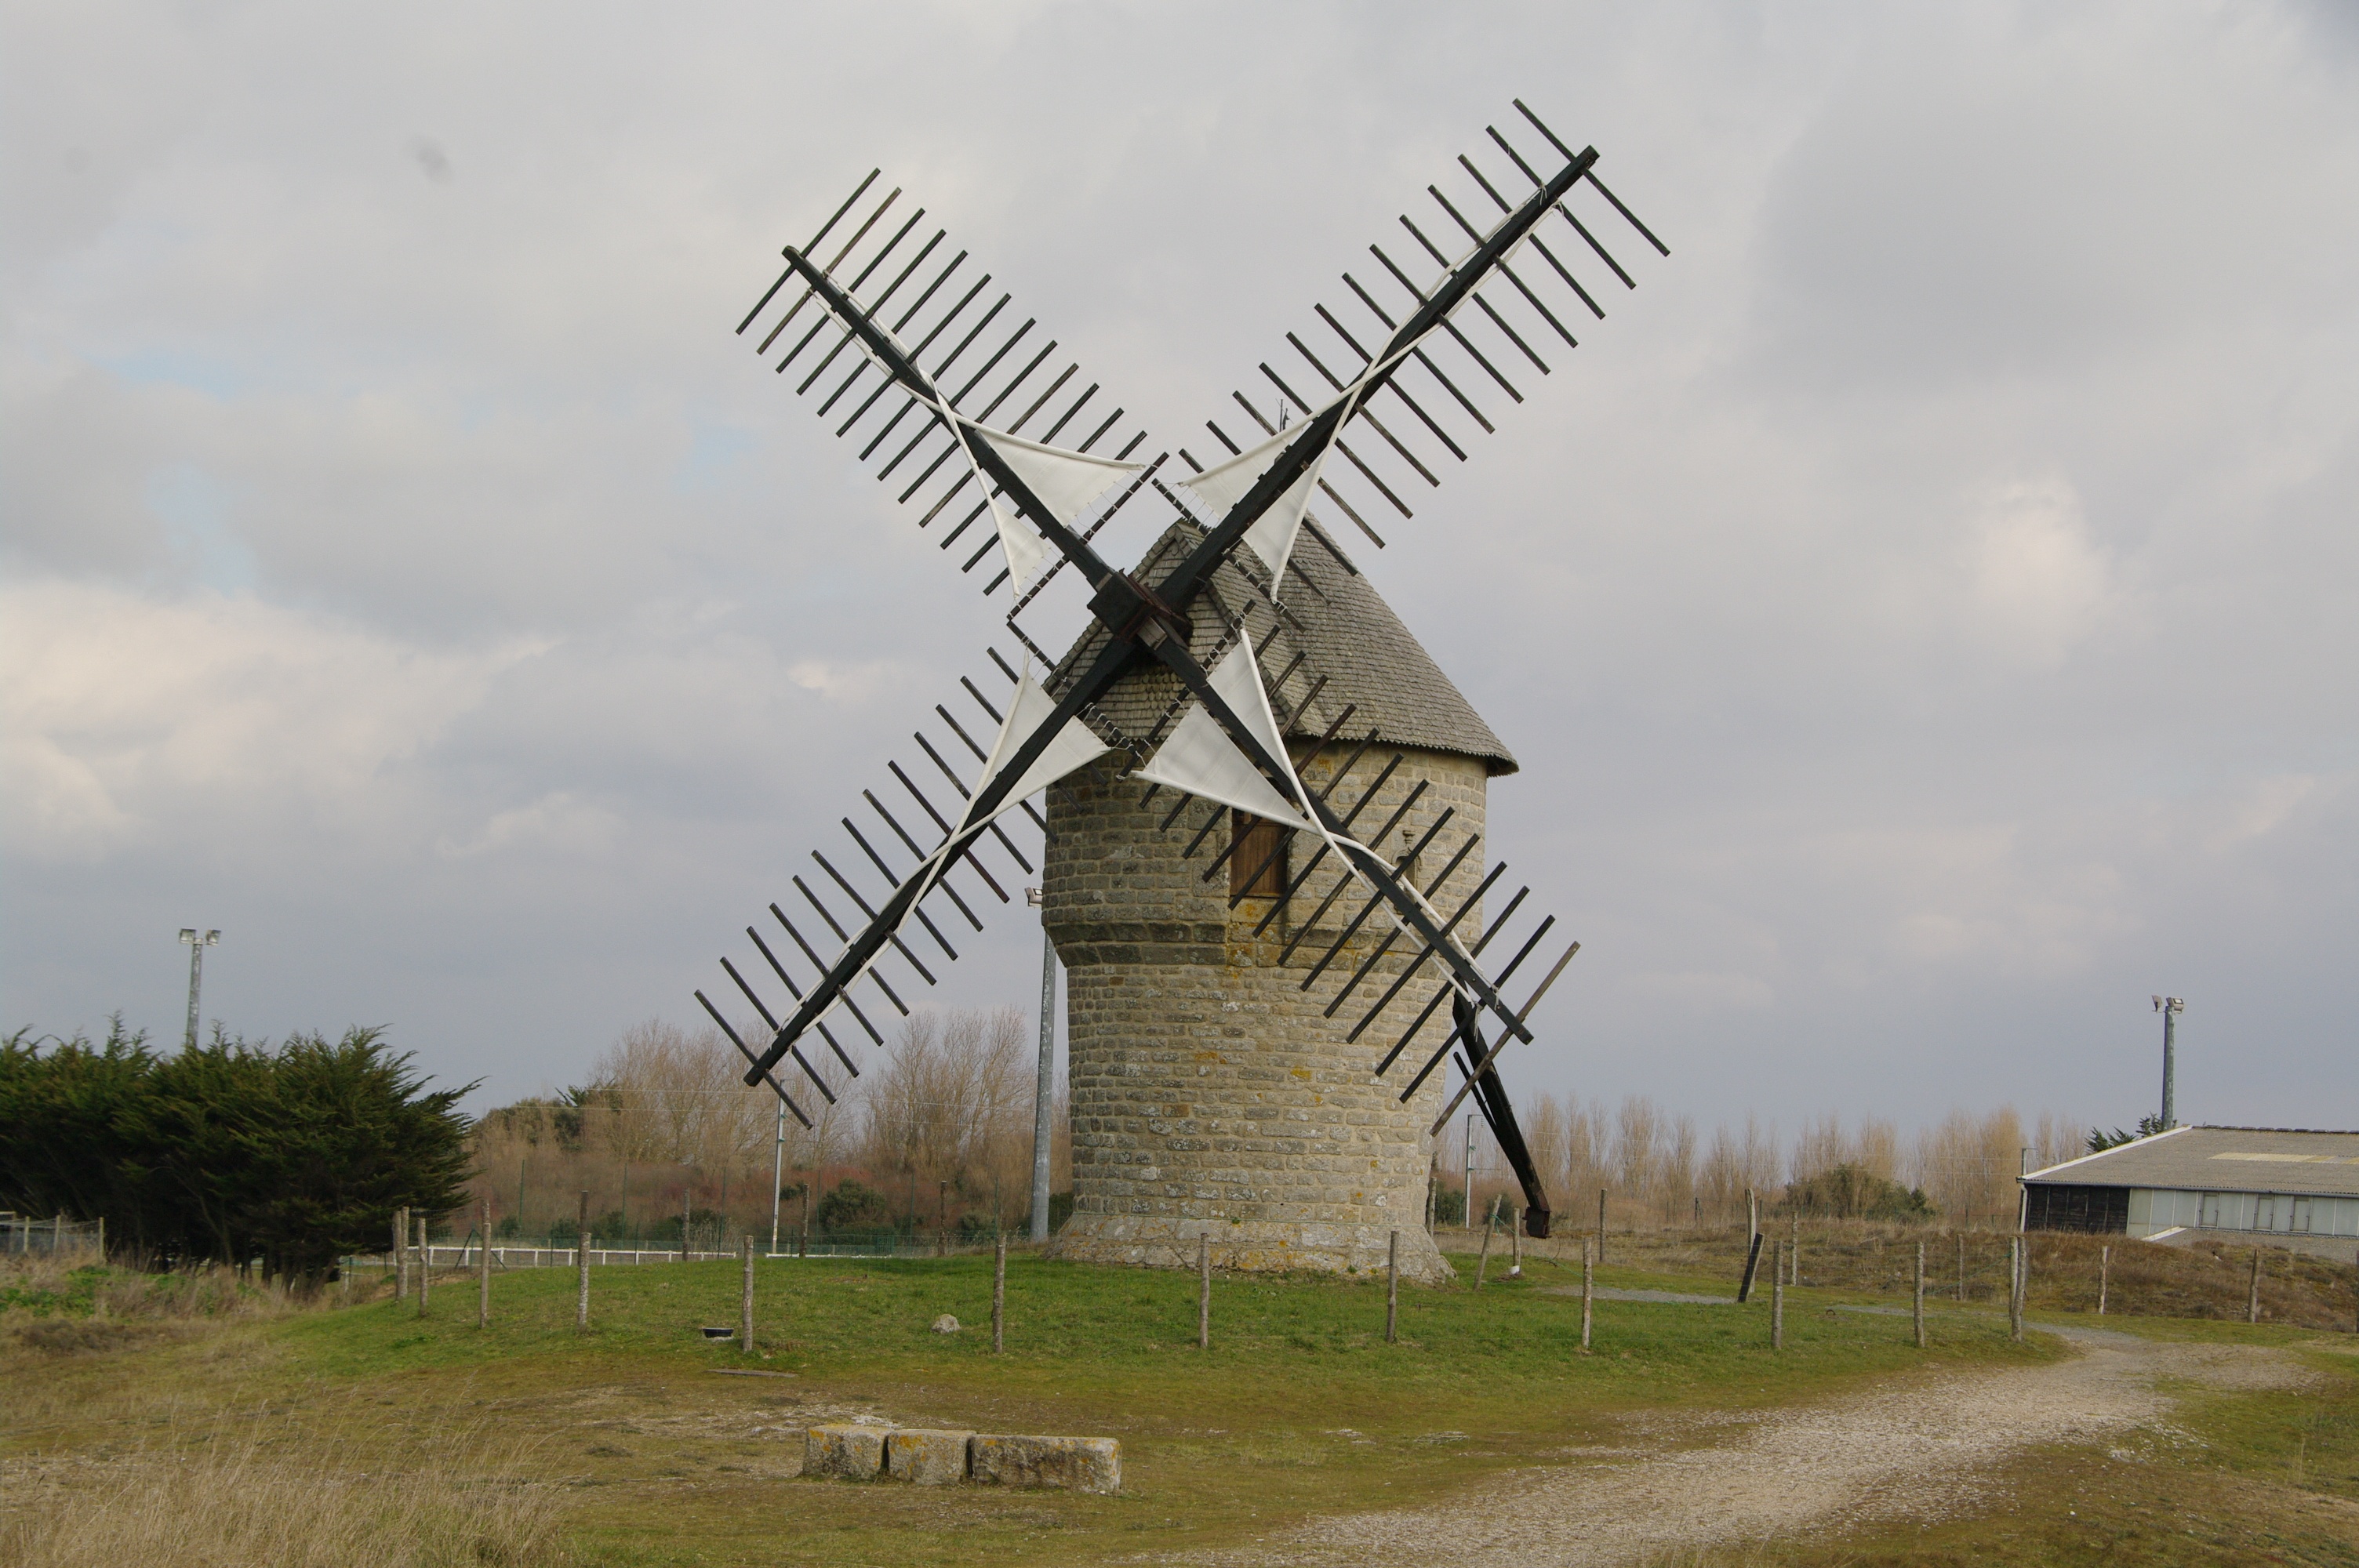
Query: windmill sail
x: 911, y: 320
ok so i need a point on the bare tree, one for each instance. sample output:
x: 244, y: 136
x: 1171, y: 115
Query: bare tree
x: 951, y: 1103
x: 681, y: 1099
x: 1636, y: 1156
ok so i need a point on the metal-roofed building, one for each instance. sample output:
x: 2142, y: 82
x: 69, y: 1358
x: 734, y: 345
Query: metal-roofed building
x: 2294, y: 1185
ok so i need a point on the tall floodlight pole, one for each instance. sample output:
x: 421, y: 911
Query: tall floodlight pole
x: 777, y: 1175
x: 197, y: 946
x: 1047, y: 1066
x: 2171, y: 1007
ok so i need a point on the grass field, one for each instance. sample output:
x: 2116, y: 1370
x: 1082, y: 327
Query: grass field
x: 436, y: 1441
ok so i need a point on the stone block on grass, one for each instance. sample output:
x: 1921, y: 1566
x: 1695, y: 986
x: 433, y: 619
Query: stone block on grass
x: 1079, y: 1463
x: 844, y: 1453
x: 926, y: 1458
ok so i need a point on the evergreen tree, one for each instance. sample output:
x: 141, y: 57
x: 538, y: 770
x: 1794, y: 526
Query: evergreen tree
x: 230, y: 1151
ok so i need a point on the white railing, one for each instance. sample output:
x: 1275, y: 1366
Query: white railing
x: 469, y: 1255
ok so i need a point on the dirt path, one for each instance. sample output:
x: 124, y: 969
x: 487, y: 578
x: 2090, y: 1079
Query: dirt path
x: 1921, y: 1452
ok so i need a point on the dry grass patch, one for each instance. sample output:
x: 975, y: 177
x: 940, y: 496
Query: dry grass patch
x: 270, y: 1497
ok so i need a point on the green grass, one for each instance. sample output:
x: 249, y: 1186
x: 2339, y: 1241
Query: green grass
x: 1300, y: 1407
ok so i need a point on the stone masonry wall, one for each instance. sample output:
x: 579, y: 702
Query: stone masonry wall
x: 1209, y: 1091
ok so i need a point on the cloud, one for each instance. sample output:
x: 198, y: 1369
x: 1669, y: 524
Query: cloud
x: 124, y: 711
x: 556, y: 824
x: 1923, y: 608
x: 2036, y: 583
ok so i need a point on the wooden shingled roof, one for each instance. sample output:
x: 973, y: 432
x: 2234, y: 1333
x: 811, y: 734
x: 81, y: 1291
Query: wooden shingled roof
x: 1329, y: 622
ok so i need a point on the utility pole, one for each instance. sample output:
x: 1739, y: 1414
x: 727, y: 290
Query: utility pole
x: 2171, y: 1007
x: 1470, y: 1170
x: 1040, y: 1092
x: 197, y: 946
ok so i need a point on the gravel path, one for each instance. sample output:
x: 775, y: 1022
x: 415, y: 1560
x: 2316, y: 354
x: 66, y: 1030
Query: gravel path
x: 1919, y: 1451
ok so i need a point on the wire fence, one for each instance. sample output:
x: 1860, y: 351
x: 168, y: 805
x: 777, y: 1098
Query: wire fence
x: 21, y: 1233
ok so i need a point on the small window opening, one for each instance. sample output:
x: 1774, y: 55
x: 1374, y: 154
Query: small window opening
x: 1257, y: 860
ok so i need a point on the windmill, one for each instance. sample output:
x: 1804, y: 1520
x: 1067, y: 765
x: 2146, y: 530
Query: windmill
x: 1258, y: 1062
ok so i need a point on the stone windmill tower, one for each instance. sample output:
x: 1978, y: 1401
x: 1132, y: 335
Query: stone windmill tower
x: 1264, y: 863
x: 1212, y: 1091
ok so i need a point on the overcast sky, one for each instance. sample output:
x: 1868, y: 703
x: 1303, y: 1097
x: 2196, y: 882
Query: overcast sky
x: 1926, y: 611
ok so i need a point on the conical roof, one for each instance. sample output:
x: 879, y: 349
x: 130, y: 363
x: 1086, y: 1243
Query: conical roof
x: 1330, y: 625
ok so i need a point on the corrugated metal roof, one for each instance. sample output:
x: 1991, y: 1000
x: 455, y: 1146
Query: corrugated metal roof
x: 1342, y: 629
x: 2223, y: 1159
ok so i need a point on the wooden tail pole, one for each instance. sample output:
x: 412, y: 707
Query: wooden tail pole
x: 999, y: 1294
x: 582, y: 1285
x: 1752, y: 1270
x: 1392, y: 1290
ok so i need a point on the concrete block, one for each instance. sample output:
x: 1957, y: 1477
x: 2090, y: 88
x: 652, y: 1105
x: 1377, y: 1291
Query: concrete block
x: 1081, y: 1464
x: 844, y: 1453
x: 926, y: 1458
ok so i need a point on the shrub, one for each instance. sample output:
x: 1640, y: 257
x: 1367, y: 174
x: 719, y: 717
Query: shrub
x: 1847, y: 1192
x: 854, y: 1207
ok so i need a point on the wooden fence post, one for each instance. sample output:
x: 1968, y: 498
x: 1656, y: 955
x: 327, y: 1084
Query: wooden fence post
x: 2253, y: 1298
x: 1392, y: 1290
x: 425, y: 1268
x: 745, y: 1294
x: 1794, y: 1251
x: 1516, y: 1243
x: 2104, y: 1271
x: 686, y: 1196
x: 1920, y: 1296
x: 1588, y: 1293
x: 1777, y: 1296
x: 483, y: 1271
x: 1601, y: 1224
x: 582, y: 1285
x: 1203, y: 1290
x: 401, y: 1254
x: 999, y: 1294
x: 2018, y: 1279
x: 1962, y: 1265
x: 1490, y: 1223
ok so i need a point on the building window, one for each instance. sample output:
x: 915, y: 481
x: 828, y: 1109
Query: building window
x: 1256, y: 856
